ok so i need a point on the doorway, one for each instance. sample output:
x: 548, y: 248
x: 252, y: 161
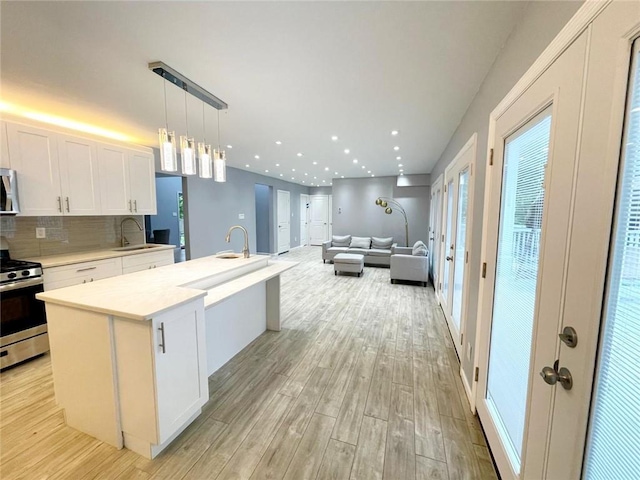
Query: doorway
x: 167, y: 226
x: 304, y: 219
x: 284, y: 220
x: 319, y: 212
x: 435, y: 232
x: 263, y: 217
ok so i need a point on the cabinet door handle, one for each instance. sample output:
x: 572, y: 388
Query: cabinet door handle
x: 162, y: 346
x: 85, y: 269
x: 59, y: 204
x: 67, y: 199
x: 135, y: 206
x: 130, y: 208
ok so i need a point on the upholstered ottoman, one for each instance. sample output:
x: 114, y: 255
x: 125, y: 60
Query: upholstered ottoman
x: 348, y: 262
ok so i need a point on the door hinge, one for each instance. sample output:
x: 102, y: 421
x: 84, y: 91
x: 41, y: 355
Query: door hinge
x: 462, y: 339
x: 443, y: 237
x: 466, y: 257
x: 445, y: 188
x: 491, y: 157
x: 484, y: 270
x: 440, y: 286
x: 477, y: 374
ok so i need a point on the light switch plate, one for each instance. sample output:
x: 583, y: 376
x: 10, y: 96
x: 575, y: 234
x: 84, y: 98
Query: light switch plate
x: 241, y: 216
x: 41, y: 232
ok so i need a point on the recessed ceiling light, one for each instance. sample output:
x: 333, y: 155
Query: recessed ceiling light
x: 266, y: 171
x: 302, y: 181
x: 334, y: 138
x: 278, y: 142
x: 401, y: 174
x: 368, y: 171
x: 299, y: 154
x: 363, y: 167
x: 394, y: 132
x: 305, y: 174
x: 396, y: 148
x: 341, y: 176
x: 315, y: 178
x: 400, y: 165
x: 355, y: 160
x: 326, y: 169
x: 372, y: 175
x: 277, y: 164
x: 280, y: 174
x: 292, y: 178
x: 247, y: 165
x: 398, y: 158
x: 293, y: 169
x: 229, y: 146
x: 323, y: 181
x: 335, y: 173
x: 315, y: 163
x: 346, y: 150
x: 257, y: 157
x: 401, y: 170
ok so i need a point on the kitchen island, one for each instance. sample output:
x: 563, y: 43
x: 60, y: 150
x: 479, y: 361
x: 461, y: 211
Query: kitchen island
x: 131, y: 355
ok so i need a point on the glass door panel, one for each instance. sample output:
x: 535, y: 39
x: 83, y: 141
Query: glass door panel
x: 460, y: 246
x: 614, y: 431
x: 447, y: 243
x: 522, y: 201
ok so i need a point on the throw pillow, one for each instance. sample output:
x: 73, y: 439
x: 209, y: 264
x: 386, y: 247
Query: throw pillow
x: 381, y: 243
x: 419, y: 249
x: 360, y: 242
x: 340, y: 241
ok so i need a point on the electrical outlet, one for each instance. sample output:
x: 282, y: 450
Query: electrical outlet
x: 241, y: 216
x: 41, y: 232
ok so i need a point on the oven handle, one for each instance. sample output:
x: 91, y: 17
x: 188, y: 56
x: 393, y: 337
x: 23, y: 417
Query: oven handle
x: 7, y: 287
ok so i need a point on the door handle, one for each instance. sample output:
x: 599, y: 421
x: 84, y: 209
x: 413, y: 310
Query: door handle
x: 569, y: 336
x: 449, y: 259
x: 59, y: 204
x: 135, y: 206
x: 162, y: 345
x: 552, y: 376
x: 130, y: 208
x: 67, y: 200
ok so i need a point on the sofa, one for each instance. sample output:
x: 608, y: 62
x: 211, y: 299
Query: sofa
x: 410, y: 264
x: 376, y: 250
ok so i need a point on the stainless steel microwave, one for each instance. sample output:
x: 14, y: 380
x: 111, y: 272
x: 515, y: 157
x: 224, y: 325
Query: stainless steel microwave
x: 9, y: 198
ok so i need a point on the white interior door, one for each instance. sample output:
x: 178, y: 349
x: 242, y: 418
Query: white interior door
x: 304, y: 219
x: 528, y: 213
x: 319, y: 211
x: 446, y: 244
x: 458, y: 178
x: 434, y: 252
x: 284, y: 221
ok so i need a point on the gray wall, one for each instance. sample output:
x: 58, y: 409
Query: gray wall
x: 263, y: 218
x: 539, y: 25
x: 355, y: 211
x: 211, y: 208
x: 167, y: 188
x: 320, y: 190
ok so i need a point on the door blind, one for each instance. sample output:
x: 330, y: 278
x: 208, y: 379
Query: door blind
x: 613, y: 448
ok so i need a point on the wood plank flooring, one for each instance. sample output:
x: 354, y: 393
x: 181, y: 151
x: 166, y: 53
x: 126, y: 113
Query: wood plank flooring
x: 361, y: 383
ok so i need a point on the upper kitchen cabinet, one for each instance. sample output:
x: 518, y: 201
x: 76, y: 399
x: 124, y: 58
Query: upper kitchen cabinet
x: 34, y: 157
x: 4, y: 147
x: 79, y: 177
x: 127, y: 181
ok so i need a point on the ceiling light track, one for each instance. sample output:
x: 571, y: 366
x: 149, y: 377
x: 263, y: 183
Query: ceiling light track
x: 189, y: 86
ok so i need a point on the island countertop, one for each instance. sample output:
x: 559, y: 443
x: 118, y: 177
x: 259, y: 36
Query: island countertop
x: 142, y: 295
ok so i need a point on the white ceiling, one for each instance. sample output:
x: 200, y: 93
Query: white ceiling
x: 297, y: 72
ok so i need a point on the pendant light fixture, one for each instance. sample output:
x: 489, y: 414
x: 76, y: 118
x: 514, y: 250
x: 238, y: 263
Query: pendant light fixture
x: 204, y: 153
x: 187, y: 146
x: 219, y: 160
x: 167, y: 139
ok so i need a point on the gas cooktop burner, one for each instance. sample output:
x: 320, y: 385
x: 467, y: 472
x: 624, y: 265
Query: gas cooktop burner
x: 13, y: 270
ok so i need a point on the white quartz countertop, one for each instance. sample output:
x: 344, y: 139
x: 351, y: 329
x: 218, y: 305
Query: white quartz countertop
x: 143, y: 295
x: 79, y: 257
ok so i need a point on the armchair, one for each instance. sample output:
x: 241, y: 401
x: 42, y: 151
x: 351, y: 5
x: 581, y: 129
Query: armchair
x: 405, y: 266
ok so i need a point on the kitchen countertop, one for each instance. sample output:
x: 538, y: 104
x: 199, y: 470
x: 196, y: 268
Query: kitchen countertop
x: 79, y: 257
x: 143, y: 295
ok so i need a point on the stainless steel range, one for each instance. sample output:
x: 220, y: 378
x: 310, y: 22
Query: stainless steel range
x: 23, y: 322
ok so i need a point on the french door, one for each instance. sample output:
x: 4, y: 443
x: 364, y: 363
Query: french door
x: 552, y: 319
x: 435, y: 232
x: 456, y: 228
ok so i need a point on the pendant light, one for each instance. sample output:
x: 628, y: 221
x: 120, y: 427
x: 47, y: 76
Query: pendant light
x: 167, y: 139
x: 219, y: 160
x: 187, y: 146
x: 204, y: 153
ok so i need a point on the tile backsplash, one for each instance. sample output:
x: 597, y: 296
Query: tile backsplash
x: 66, y: 234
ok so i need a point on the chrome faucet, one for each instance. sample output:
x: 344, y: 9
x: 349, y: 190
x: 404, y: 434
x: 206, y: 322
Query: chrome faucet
x: 245, y: 250
x: 124, y: 242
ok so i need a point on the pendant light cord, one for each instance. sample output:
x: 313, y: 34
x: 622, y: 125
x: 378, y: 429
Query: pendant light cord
x: 218, y: 130
x: 204, y: 129
x: 166, y: 118
x: 186, y: 113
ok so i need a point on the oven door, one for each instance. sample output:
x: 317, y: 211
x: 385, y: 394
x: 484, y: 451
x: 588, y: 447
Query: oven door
x: 21, y: 315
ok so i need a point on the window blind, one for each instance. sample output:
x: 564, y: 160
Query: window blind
x: 613, y: 447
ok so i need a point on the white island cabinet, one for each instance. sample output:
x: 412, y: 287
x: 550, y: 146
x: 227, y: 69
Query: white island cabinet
x: 131, y: 354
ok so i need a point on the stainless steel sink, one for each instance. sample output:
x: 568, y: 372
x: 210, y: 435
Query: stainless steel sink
x: 229, y: 255
x: 143, y: 246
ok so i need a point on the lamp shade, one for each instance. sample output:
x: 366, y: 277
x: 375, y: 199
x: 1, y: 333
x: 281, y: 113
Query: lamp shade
x: 188, y: 152
x: 168, y: 157
x: 219, y: 166
x: 204, y: 157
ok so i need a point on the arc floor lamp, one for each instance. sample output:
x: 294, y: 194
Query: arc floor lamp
x: 384, y: 203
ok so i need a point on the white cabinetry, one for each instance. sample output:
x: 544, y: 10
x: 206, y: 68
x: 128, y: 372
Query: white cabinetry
x: 162, y: 379
x: 79, y: 184
x: 146, y: 261
x: 4, y: 147
x: 127, y: 181
x: 34, y: 156
x: 85, y: 272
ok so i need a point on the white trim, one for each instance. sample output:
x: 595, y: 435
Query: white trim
x: 468, y: 389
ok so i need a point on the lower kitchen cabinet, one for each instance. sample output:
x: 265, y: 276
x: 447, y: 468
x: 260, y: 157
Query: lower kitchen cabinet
x: 146, y: 261
x: 85, y: 272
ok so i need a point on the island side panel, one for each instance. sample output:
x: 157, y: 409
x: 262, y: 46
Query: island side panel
x: 82, y: 360
x: 233, y: 324
x: 273, y: 303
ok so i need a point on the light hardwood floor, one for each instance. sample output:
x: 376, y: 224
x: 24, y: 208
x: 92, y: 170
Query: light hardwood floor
x: 361, y: 383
